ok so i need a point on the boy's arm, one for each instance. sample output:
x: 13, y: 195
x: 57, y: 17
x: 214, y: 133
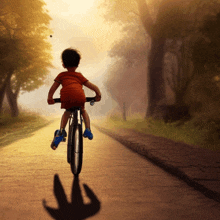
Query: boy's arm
x: 95, y: 89
x: 51, y: 92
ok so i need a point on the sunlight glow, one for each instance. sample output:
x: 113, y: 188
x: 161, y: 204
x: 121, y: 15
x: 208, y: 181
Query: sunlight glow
x: 78, y: 24
x: 69, y: 7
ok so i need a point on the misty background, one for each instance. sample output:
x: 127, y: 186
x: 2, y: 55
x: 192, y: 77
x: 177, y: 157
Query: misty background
x: 159, y: 58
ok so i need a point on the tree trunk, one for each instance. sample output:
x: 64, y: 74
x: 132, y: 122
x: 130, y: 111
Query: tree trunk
x: 2, y: 95
x: 155, y: 81
x: 156, y: 88
x: 12, y: 99
x: 3, y: 89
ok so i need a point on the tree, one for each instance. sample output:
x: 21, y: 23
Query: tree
x: 24, y: 33
x: 126, y: 77
x: 159, y: 19
x: 205, y: 56
x: 32, y: 75
x: 178, y: 69
x: 206, y: 50
x: 186, y: 59
x: 164, y: 20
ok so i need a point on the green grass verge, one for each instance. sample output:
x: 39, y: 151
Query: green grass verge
x: 187, y: 132
x: 13, y: 129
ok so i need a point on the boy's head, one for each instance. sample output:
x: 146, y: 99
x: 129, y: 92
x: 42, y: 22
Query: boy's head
x: 70, y: 58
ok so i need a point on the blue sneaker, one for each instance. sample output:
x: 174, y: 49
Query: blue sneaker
x: 58, y: 137
x: 88, y: 134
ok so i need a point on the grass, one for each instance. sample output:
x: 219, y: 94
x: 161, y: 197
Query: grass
x: 188, y: 133
x: 13, y: 129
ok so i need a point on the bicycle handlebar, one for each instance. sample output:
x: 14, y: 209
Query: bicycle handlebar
x: 88, y: 99
x: 57, y: 100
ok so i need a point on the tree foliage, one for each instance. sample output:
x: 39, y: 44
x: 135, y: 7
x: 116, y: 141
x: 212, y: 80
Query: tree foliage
x: 206, y: 50
x: 25, y: 51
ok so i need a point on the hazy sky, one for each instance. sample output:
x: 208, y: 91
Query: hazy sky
x: 76, y: 24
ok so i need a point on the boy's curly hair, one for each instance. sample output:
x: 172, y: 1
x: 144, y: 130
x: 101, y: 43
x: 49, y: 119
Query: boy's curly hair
x: 71, y: 57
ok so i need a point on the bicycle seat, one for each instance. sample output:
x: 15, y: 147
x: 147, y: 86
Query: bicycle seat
x: 74, y: 108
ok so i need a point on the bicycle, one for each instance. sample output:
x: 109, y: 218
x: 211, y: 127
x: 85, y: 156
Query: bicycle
x: 75, y: 137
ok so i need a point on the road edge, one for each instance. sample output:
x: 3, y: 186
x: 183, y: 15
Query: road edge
x: 175, y: 171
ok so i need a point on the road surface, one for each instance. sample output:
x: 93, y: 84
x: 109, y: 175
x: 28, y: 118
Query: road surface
x: 115, y: 184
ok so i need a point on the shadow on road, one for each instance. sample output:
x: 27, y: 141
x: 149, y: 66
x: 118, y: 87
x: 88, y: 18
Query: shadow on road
x: 76, y: 209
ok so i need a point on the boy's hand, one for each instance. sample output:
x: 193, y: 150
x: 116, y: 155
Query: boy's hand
x: 50, y: 101
x: 97, y: 98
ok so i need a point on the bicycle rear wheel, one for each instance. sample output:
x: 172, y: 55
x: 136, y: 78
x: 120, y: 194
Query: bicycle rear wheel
x: 77, y: 150
x: 70, y: 140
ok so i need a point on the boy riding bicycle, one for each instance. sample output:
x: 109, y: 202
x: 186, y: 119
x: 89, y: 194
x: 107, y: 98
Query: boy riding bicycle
x: 71, y: 93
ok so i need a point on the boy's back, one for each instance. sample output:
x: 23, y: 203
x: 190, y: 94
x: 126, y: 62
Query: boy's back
x: 71, y: 92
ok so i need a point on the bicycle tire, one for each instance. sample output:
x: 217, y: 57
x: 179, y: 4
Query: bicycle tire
x: 77, y: 150
x: 70, y: 141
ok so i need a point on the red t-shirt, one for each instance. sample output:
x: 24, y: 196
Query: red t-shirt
x: 72, y: 93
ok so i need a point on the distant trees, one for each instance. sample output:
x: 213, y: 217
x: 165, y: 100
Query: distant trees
x: 126, y: 77
x: 24, y: 50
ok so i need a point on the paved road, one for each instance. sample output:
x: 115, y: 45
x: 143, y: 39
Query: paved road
x: 115, y: 184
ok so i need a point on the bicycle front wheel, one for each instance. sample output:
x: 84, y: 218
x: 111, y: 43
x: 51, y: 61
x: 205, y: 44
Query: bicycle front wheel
x: 77, y: 150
